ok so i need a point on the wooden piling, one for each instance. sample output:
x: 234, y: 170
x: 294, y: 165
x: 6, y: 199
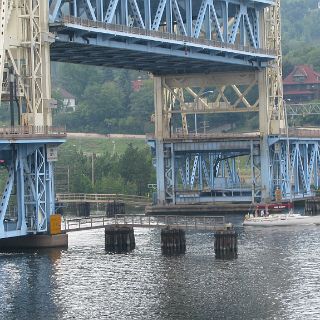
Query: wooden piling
x: 119, y: 239
x: 114, y: 208
x: 83, y: 209
x: 226, y: 243
x: 312, y: 206
x: 173, y: 241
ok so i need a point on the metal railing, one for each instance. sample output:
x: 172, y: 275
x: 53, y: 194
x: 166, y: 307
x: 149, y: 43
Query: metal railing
x: 302, y: 109
x: 163, y: 35
x: 101, y: 198
x: 215, y: 135
x: 32, y: 130
x: 302, y: 132
x: 141, y: 221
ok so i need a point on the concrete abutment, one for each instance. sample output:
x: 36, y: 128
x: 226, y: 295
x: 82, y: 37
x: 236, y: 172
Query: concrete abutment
x: 38, y: 241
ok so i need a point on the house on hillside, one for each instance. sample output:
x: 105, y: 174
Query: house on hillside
x: 68, y: 100
x: 301, y: 85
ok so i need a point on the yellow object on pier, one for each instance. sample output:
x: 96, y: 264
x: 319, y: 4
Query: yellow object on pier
x: 55, y: 224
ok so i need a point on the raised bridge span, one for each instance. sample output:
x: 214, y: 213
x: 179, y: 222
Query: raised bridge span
x: 206, y: 56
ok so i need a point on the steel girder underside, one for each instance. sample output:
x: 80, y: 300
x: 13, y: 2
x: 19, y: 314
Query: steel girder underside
x: 164, y: 36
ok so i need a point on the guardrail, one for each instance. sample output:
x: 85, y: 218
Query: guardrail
x: 32, y: 130
x: 215, y: 135
x: 302, y: 109
x: 101, y: 198
x: 163, y: 35
x: 210, y: 223
x: 303, y: 132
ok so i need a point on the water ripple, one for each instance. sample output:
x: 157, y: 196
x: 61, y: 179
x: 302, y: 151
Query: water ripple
x: 276, y: 276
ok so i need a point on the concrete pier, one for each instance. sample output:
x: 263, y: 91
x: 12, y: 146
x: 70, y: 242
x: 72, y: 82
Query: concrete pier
x: 226, y: 243
x: 173, y: 241
x: 35, y: 242
x: 119, y: 239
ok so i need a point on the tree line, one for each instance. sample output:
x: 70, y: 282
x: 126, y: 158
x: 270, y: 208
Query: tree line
x: 129, y: 173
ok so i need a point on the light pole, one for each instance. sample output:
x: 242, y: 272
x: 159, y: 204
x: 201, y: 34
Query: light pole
x: 196, y: 103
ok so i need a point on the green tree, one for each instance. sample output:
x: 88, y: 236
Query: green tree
x: 135, y: 167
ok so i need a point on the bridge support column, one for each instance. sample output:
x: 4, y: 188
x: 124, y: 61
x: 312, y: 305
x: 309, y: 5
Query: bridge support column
x: 119, y: 239
x: 264, y: 131
x: 173, y: 241
x: 226, y: 244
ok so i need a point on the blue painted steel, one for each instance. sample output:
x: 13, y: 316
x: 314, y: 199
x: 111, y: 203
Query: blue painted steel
x: 30, y: 174
x: 203, y: 171
x: 159, y: 36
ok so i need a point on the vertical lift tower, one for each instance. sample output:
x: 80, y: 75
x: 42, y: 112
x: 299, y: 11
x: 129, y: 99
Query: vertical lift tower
x: 195, y: 167
x: 28, y: 144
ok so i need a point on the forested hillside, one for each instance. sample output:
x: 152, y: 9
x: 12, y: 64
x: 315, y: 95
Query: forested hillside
x: 300, y: 33
x: 118, y: 101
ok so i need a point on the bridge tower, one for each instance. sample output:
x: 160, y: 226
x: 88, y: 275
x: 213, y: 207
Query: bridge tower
x: 28, y: 144
x: 205, y: 170
x: 207, y: 57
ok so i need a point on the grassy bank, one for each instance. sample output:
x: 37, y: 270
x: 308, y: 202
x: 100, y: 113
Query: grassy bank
x: 101, y: 145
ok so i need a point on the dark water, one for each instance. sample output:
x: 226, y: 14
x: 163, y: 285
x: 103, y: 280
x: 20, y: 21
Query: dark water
x: 276, y: 276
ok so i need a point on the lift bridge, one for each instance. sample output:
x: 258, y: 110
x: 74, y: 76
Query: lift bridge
x: 206, y: 57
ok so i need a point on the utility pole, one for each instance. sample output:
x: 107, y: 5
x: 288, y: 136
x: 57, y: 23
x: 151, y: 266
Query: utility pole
x: 205, y: 125
x: 93, y: 156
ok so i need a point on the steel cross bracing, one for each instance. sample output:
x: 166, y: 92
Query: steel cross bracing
x: 205, y: 172
x: 297, y: 176
x: 302, y: 109
x: 160, y: 36
x: 192, y: 156
x: 25, y: 60
x: 28, y: 196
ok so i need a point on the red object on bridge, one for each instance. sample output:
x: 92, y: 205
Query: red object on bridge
x: 275, y: 206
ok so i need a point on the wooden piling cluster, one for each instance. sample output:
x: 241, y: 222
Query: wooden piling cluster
x: 83, y: 209
x: 173, y: 241
x: 119, y: 239
x: 312, y: 206
x: 115, y: 207
x: 226, y: 244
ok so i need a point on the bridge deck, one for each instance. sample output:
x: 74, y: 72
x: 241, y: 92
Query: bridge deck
x: 200, y: 223
x: 101, y: 198
x: 25, y: 133
x: 85, y: 41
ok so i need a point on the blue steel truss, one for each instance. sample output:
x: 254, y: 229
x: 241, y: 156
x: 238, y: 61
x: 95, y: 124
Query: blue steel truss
x: 296, y: 175
x: 160, y: 36
x: 214, y: 170
x: 206, y: 170
x: 28, y: 197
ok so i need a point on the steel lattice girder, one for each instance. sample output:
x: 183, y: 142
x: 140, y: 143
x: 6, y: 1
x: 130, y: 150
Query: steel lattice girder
x: 31, y: 175
x: 136, y: 34
x: 295, y: 173
x: 188, y: 172
x: 202, y: 167
x: 24, y: 58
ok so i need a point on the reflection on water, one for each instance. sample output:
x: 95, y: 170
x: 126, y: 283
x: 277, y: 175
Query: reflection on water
x: 276, y: 276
